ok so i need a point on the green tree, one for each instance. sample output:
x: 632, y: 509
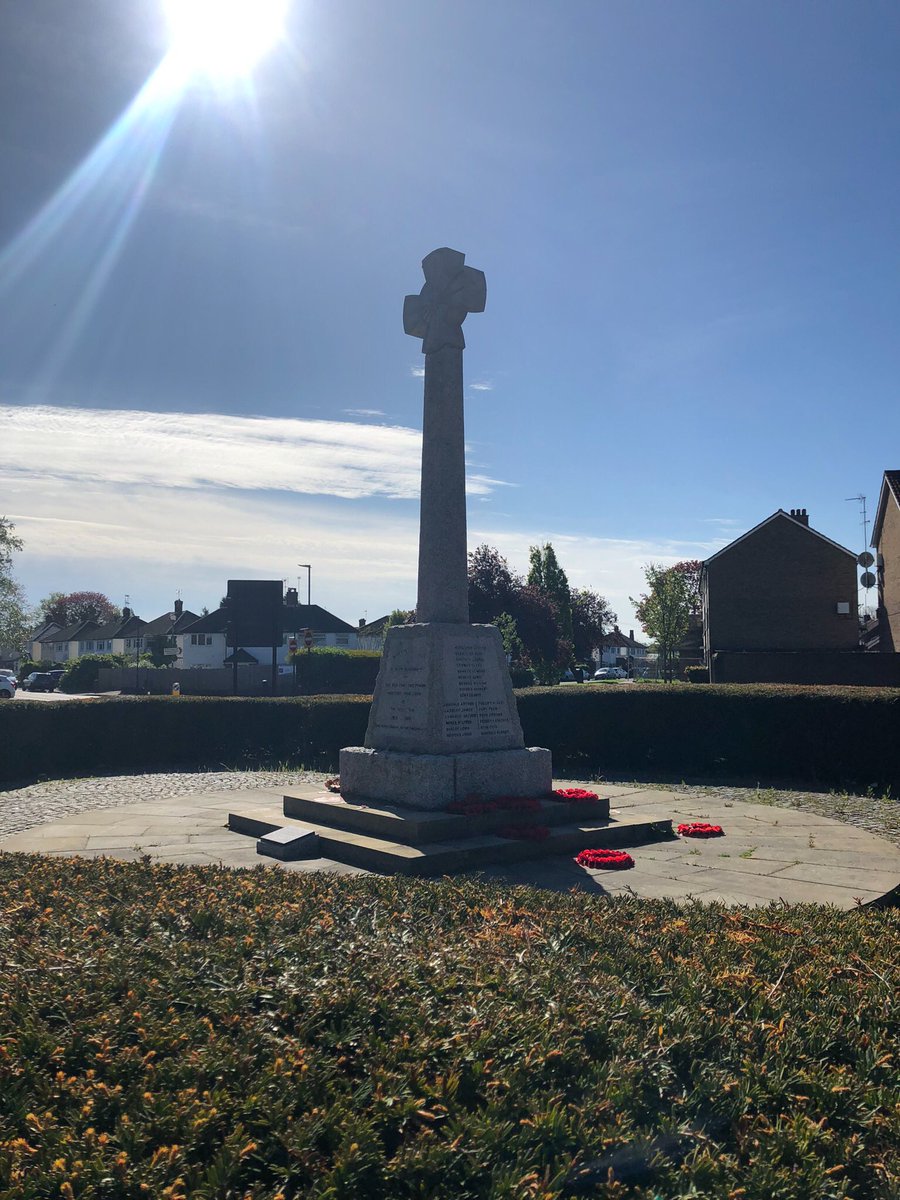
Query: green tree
x: 71, y: 608
x: 548, y: 653
x: 591, y: 615
x: 509, y: 632
x: 13, y: 607
x: 400, y: 616
x: 548, y: 577
x: 155, y: 649
x: 492, y: 586
x: 665, y: 611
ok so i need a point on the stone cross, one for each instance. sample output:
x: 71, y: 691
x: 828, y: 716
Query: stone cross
x: 451, y: 291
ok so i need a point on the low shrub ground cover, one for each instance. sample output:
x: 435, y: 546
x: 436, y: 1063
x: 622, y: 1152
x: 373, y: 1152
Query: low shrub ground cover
x: 184, y: 1032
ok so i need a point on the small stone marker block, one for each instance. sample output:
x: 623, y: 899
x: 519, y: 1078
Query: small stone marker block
x: 289, y: 843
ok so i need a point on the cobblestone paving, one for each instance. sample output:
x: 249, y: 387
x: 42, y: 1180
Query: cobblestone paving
x: 42, y: 802
x: 39, y: 803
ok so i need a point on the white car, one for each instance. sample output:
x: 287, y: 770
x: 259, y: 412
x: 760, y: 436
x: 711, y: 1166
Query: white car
x: 611, y: 673
x: 7, y: 688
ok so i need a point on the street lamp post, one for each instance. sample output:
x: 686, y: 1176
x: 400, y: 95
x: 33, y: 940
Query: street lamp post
x: 308, y: 569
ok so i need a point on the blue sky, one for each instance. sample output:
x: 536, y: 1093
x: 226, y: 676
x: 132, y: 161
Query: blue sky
x: 688, y: 219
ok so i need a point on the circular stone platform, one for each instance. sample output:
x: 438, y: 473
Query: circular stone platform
x: 767, y: 853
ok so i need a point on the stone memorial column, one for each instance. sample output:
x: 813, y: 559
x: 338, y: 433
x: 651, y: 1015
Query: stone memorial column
x: 443, y: 723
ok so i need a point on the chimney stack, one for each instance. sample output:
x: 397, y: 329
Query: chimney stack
x: 290, y: 596
x: 179, y: 606
x: 631, y: 634
x: 362, y: 621
x: 126, y: 613
x: 801, y: 515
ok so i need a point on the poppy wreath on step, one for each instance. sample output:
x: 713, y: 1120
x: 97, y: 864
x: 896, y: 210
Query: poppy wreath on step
x: 574, y: 795
x: 701, y: 829
x: 607, y: 860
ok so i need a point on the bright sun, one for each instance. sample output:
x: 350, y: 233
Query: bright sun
x: 223, y: 38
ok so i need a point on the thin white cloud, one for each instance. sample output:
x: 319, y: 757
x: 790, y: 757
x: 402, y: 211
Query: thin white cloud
x: 482, y: 386
x: 156, y: 540
x: 214, y: 450
x: 363, y: 412
x: 145, y: 503
x: 417, y: 372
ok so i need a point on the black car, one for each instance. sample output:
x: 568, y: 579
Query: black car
x: 39, y: 681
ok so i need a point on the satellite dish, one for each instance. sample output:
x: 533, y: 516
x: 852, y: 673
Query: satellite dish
x: 865, y: 559
x: 867, y: 579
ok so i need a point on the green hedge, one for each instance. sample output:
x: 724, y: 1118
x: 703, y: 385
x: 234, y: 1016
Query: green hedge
x: 87, y: 737
x: 325, y: 670
x: 833, y: 736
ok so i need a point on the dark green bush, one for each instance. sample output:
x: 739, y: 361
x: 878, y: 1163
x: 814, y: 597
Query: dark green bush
x: 327, y: 670
x: 835, y: 736
x: 522, y: 677
x: 86, y: 737
x: 696, y: 674
x: 82, y: 673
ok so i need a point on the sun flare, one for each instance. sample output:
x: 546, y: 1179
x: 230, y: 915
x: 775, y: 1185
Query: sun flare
x: 223, y: 38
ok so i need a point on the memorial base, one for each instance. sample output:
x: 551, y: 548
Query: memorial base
x: 432, y: 781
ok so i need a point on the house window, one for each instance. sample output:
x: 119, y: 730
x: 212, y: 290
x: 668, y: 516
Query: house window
x: 87, y: 645
x: 342, y: 639
x: 319, y: 639
x: 201, y: 639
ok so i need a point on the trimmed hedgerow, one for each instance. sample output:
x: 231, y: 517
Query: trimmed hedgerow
x: 830, y: 735
x: 87, y: 737
x: 198, y: 1032
x: 326, y: 669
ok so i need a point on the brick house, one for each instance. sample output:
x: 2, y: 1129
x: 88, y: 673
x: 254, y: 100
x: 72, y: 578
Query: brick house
x: 886, y: 544
x: 781, y: 586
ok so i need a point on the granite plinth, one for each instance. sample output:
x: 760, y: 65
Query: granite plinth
x: 444, y: 689
x: 432, y: 781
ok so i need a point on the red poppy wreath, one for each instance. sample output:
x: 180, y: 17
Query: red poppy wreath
x: 607, y: 860
x: 700, y: 829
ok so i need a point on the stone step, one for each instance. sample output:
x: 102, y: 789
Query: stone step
x: 416, y: 827
x: 460, y: 854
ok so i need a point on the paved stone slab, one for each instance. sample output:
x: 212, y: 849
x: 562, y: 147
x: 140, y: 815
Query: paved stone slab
x: 842, y: 864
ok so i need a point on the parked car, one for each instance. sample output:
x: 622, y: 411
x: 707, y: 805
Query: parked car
x: 39, y: 681
x: 56, y: 675
x: 611, y: 673
x: 7, y: 687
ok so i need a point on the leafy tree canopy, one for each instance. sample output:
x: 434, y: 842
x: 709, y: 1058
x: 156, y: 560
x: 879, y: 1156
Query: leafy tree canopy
x: 547, y: 576
x: 665, y: 611
x: 537, y: 617
x: 73, y: 607
x: 14, y: 620
x: 591, y: 617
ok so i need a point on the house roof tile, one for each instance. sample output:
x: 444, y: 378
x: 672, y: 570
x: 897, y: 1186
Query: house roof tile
x: 294, y: 618
x: 779, y: 513
x: 890, y: 488
x: 169, y: 622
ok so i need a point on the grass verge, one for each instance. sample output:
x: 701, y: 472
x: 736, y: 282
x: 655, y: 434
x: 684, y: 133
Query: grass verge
x: 186, y: 1032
